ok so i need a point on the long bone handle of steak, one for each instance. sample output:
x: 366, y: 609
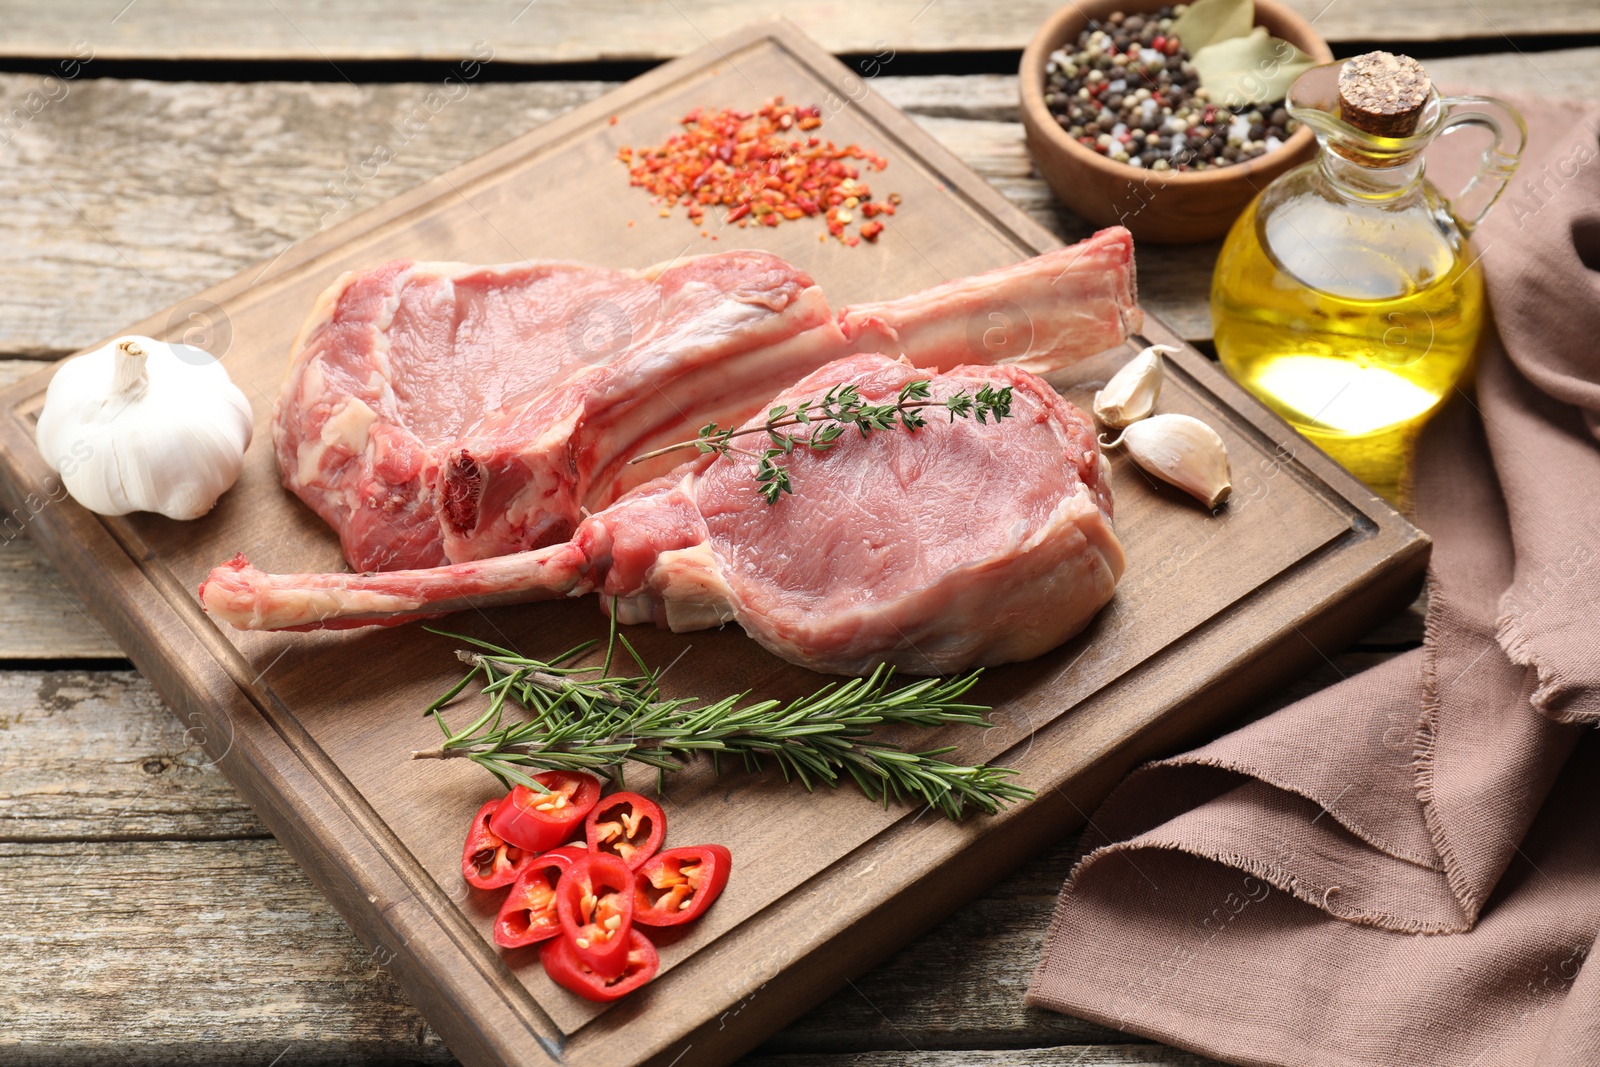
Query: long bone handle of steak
x: 252, y: 599
x: 1041, y: 314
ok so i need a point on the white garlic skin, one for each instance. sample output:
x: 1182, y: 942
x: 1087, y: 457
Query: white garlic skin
x: 1131, y: 393
x: 169, y: 439
x: 1183, y: 451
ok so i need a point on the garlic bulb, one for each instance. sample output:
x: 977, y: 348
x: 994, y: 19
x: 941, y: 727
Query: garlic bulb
x: 1181, y: 450
x: 1131, y: 393
x: 140, y: 425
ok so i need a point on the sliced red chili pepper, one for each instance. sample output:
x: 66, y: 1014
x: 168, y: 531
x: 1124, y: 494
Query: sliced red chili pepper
x: 626, y: 825
x: 594, y: 901
x: 538, y: 821
x: 488, y: 861
x: 529, y: 912
x: 562, y: 964
x: 678, y: 885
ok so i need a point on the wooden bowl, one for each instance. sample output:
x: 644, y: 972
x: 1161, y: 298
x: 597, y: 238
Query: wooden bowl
x: 1167, y: 207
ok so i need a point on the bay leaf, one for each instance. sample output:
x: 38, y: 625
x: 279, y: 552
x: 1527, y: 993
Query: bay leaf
x: 1249, y: 70
x: 1208, y: 21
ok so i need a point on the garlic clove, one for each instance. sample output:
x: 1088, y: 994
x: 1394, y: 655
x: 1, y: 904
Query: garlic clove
x: 1131, y: 393
x: 1181, y: 450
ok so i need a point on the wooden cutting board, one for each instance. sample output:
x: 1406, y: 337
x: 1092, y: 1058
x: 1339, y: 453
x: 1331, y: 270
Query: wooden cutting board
x: 315, y: 729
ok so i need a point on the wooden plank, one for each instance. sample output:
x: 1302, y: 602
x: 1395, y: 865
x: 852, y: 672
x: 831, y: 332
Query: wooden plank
x: 1568, y: 72
x: 97, y: 756
x: 143, y: 192
x: 959, y: 986
x: 249, y: 168
x: 560, y: 31
x: 150, y: 781
x: 14, y: 370
x: 44, y: 618
x: 187, y: 953
x: 150, y: 778
x: 223, y: 951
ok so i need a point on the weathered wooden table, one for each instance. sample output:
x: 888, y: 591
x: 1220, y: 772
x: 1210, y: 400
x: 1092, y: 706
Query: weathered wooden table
x: 149, y: 148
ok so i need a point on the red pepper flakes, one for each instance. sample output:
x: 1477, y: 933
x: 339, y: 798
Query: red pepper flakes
x: 746, y: 162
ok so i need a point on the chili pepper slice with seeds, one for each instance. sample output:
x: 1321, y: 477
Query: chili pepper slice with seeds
x: 594, y: 902
x: 538, y: 821
x: 488, y: 861
x: 628, y: 826
x: 566, y: 969
x: 529, y: 912
x: 678, y: 885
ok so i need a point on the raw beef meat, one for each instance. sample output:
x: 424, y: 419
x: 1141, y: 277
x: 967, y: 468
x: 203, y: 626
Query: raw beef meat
x: 440, y: 413
x: 955, y: 545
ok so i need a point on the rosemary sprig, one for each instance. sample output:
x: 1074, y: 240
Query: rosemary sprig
x: 839, y: 409
x: 589, y: 719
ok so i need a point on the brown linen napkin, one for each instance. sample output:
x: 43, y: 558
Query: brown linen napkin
x: 1264, y: 899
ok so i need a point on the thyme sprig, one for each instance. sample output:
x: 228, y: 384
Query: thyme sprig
x: 839, y: 409
x: 590, y: 719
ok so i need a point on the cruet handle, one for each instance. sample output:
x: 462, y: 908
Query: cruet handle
x: 1508, y: 132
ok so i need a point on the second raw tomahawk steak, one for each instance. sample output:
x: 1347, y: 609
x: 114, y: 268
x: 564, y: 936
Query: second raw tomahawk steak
x: 957, y: 544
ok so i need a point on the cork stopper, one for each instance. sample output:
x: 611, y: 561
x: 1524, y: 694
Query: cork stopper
x: 1383, y: 94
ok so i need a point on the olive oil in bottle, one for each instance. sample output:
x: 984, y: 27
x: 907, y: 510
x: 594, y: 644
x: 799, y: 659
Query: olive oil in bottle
x: 1346, y: 296
x: 1355, y: 358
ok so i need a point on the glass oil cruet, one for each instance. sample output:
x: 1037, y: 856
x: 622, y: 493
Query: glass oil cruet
x: 1346, y: 296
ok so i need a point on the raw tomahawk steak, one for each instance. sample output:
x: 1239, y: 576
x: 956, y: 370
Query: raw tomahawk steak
x: 954, y: 545
x: 440, y: 413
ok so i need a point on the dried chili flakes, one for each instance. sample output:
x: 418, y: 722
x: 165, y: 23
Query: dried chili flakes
x: 765, y: 166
